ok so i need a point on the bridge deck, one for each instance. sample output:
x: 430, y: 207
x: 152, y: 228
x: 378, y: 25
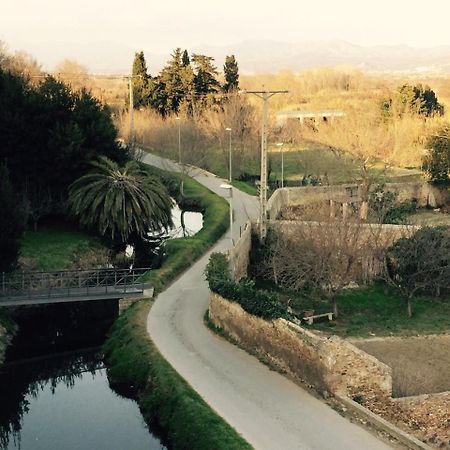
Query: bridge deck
x: 36, y: 288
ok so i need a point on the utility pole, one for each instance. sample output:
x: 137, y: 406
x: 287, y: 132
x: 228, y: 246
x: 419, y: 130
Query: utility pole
x: 264, y: 95
x: 131, y: 137
x: 229, y: 154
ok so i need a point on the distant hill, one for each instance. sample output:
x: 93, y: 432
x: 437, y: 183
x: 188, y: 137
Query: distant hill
x: 258, y: 56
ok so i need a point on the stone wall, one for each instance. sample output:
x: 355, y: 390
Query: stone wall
x: 425, y: 194
x: 239, y: 255
x: 327, y: 363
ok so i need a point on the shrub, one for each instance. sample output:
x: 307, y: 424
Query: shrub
x: 255, y: 301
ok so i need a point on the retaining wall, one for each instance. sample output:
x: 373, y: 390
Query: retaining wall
x: 327, y: 363
x: 239, y: 255
x: 423, y: 192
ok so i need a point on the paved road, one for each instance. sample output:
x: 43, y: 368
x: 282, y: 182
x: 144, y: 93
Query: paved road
x: 270, y: 411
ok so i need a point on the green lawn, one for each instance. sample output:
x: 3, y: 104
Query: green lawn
x: 53, y: 247
x: 371, y: 311
x: 301, y: 160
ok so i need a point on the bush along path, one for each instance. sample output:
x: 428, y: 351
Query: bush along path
x: 267, y: 409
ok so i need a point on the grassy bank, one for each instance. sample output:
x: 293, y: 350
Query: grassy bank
x: 164, y: 397
x: 54, y: 246
x: 7, y: 331
x: 182, y: 252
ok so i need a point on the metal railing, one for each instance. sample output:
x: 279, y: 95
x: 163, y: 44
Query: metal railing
x: 72, y: 283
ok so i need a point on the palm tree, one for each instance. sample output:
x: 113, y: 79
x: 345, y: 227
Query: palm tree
x: 122, y: 202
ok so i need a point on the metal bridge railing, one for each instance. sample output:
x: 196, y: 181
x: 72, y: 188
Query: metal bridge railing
x: 72, y: 283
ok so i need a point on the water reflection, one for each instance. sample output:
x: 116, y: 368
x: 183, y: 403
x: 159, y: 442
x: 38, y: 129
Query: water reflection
x: 54, y: 394
x: 65, y: 402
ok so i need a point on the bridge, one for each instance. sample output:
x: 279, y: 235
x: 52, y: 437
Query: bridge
x: 34, y: 288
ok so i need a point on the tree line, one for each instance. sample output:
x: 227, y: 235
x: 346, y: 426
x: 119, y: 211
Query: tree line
x: 186, y: 84
x: 59, y: 155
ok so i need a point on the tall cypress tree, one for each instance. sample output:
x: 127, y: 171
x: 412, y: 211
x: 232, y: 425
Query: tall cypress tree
x: 140, y: 80
x: 231, y: 73
x: 185, y: 60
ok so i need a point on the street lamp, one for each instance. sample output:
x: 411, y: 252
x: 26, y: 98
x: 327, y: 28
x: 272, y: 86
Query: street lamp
x: 230, y: 188
x: 179, y: 140
x: 229, y: 132
x: 280, y: 145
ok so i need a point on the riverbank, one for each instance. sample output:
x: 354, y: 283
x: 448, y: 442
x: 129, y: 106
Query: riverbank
x: 165, y: 399
x: 7, y: 331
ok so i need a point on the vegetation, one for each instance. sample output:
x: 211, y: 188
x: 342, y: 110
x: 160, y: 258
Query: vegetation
x: 124, y: 203
x: 421, y: 263
x: 372, y: 310
x: 12, y: 222
x: 255, y: 301
x: 180, y: 253
x: 437, y: 160
x: 165, y: 399
x: 57, y: 247
x: 418, y: 100
x: 186, y: 84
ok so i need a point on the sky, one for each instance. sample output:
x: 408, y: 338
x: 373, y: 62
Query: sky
x: 45, y: 27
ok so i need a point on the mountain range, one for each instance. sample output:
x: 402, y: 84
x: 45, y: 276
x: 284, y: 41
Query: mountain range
x: 260, y: 56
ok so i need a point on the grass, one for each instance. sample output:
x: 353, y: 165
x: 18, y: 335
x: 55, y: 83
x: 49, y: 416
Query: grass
x: 182, y: 252
x: 372, y: 311
x: 53, y: 247
x: 165, y: 399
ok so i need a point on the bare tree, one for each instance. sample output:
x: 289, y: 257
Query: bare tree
x: 421, y: 263
x: 326, y: 256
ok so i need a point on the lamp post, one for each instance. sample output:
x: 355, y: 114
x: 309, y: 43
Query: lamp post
x: 230, y: 188
x: 229, y: 150
x: 280, y: 145
x: 179, y: 140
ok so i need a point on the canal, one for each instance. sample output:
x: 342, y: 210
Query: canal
x: 54, y: 389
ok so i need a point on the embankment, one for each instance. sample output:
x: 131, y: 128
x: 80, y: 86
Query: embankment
x: 165, y: 399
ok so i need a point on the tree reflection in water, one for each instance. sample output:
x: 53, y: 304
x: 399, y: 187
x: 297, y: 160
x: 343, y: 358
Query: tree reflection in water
x: 29, y: 377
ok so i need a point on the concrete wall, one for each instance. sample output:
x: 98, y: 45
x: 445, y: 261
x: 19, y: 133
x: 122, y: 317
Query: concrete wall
x: 281, y: 198
x: 239, y: 255
x: 330, y: 364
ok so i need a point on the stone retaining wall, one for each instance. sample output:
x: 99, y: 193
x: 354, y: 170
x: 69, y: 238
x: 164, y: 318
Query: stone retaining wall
x: 239, y: 255
x: 327, y: 363
x: 423, y: 192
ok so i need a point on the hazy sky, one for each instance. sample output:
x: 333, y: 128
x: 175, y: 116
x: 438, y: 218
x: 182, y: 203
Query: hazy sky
x: 159, y: 27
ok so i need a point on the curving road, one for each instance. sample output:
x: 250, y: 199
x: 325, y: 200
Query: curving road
x: 270, y: 411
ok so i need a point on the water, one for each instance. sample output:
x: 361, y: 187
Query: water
x: 64, y: 401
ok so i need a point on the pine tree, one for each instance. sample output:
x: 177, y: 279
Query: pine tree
x: 171, y: 76
x: 185, y: 60
x: 231, y: 73
x: 140, y: 80
x: 206, y: 84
